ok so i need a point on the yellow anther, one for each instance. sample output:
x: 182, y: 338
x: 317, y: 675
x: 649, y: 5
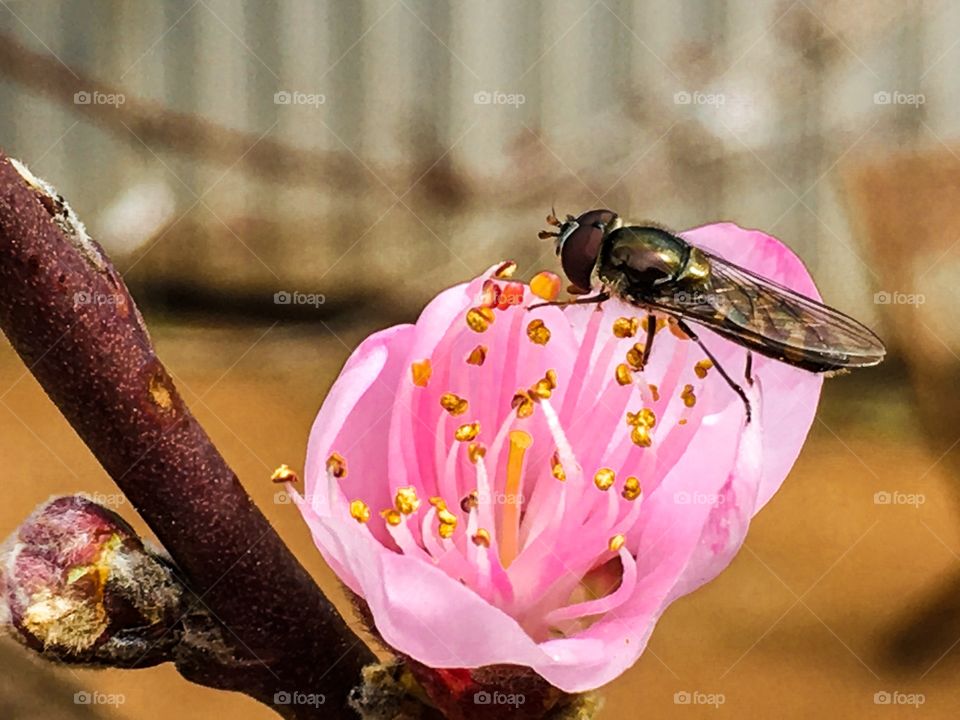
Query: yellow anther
x: 616, y: 542
x: 446, y: 517
x: 481, y: 538
x: 557, y: 468
x: 284, y: 474
x: 470, y: 501
x: 623, y: 374
x: 480, y: 318
x: 421, y: 371
x: 631, y: 488
x: 453, y: 404
x: 506, y: 270
x: 477, y: 355
x: 640, y: 436
x: 655, y: 391
x: 446, y: 531
x: 635, y: 357
x: 625, y: 327
x: 545, y: 285
x: 337, y: 466
x: 701, y: 368
x: 541, y: 390
x: 359, y: 511
x: 604, y: 478
x: 406, y: 500
x: 475, y: 451
x: 438, y: 502
x: 688, y: 396
x: 391, y: 516
x: 468, y: 432
x: 551, y: 377
x: 538, y: 332
x: 522, y: 403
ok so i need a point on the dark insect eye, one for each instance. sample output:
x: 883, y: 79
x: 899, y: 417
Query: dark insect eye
x: 580, y: 250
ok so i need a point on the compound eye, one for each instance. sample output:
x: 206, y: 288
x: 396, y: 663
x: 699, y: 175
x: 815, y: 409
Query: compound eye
x: 579, y: 253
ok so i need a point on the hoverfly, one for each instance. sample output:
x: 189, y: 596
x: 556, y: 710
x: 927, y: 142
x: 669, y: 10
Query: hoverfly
x: 656, y: 270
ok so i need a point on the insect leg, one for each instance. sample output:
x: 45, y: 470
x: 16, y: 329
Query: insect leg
x: 723, y: 373
x: 651, y: 331
x: 748, y: 371
x: 593, y: 299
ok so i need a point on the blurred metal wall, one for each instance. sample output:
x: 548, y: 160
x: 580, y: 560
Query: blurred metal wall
x: 684, y: 112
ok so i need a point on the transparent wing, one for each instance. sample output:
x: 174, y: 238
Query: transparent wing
x: 772, y: 319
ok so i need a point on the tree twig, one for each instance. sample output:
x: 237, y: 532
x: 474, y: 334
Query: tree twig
x: 69, y: 316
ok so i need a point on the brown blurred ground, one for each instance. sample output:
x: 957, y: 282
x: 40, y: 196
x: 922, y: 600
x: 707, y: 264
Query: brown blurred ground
x: 833, y: 600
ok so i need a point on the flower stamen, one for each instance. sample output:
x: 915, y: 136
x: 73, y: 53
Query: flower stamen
x: 700, y: 369
x: 604, y: 479
x: 406, y: 500
x: 453, y: 404
x: 421, y: 371
x: 467, y: 432
x: 477, y: 355
x: 359, y: 511
x: 625, y: 327
x: 337, y: 466
x: 538, y: 332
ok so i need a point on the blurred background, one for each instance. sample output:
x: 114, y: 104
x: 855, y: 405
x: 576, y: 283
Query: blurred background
x: 278, y: 179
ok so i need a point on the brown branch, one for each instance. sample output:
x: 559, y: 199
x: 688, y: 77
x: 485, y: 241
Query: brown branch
x: 69, y: 316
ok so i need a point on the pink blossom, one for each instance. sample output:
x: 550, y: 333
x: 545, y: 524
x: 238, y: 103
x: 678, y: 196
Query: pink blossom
x: 467, y: 560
